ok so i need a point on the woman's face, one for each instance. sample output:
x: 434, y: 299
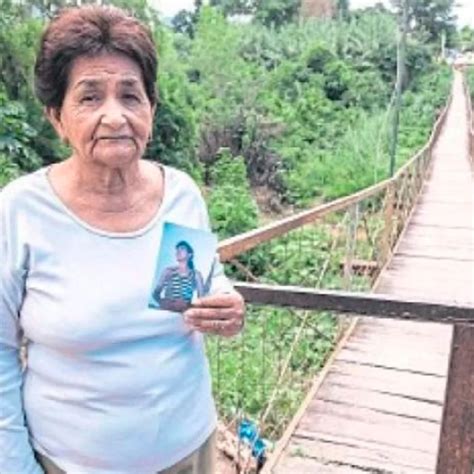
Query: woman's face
x: 106, y: 116
x: 182, y: 254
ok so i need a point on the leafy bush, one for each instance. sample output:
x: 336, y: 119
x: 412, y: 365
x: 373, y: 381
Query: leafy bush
x: 8, y: 170
x: 174, y: 133
x: 469, y: 73
x: 16, y: 136
x: 300, y: 104
x: 231, y: 206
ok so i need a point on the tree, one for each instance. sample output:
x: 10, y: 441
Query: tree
x: 432, y: 16
x: 343, y: 8
x: 274, y: 13
x: 184, y: 22
x: 235, y: 7
x: 466, y: 39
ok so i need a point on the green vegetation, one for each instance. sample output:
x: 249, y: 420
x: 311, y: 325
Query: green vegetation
x: 431, y: 17
x: 304, y: 105
x: 466, y: 39
x: 247, y: 370
x: 230, y: 201
x: 470, y: 81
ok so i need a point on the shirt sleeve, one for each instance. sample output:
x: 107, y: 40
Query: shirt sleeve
x: 16, y: 453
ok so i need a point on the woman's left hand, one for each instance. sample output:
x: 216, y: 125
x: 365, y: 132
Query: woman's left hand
x: 221, y: 314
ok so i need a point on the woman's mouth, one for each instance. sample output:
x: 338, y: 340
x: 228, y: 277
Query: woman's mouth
x: 114, y: 138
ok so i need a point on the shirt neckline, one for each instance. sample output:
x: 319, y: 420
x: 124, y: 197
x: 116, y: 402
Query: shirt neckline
x: 105, y: 233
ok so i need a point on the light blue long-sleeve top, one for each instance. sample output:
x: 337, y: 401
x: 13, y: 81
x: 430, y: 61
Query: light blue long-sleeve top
x: 111, y: 385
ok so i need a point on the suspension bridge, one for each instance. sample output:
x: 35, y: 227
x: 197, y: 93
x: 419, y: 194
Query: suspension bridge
x: 397, y: 393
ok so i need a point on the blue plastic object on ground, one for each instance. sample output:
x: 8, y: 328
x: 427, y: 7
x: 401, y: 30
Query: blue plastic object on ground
x: 248, y: 432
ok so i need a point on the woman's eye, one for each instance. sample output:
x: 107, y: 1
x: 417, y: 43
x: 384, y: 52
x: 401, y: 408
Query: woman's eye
x: 131, y: 98
x: 88, y: 99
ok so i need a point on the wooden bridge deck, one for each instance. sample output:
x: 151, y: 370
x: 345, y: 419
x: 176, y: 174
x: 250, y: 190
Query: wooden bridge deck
x: 379, y: 406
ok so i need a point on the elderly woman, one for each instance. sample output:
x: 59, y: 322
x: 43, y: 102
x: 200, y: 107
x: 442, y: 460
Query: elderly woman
x: 111, y: 386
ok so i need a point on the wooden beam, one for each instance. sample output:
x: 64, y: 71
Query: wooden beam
x: 456, y: 447
x: 369, y: 304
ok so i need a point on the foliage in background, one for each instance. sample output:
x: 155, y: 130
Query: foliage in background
x: 174, y: 132
x: 270, y: 13
x: 231, y: 205
x: 303, y: 105
x: 469, y: 73
x: 465, y: 38
x: 434, y: 17
x: 16, y: 137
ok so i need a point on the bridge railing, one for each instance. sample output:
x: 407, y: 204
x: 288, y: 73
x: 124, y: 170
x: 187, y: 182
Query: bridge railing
x: 263, y: 374
x: 470, y: 116
x: 456, y: 443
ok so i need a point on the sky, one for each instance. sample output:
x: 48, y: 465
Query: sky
x: 465, y: 10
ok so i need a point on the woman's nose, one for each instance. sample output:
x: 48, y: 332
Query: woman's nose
x: 113, y: 114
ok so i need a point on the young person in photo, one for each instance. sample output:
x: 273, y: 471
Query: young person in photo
x: 180, y: 283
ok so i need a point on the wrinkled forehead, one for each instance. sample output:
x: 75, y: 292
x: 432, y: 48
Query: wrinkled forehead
x: 93, y: 71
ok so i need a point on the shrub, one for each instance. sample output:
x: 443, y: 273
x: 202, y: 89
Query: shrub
x: 16, y: 135
x: 231, y: 206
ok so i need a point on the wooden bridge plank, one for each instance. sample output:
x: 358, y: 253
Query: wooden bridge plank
x: 405, y: 330
x: 389, y: 380
x: 431, y: 392
x: 451, y: 216
x: 461, y: 269
x: 363, y: 455
x: 381, y: 401
x: 449, y: 235
x: 368, y: 414
x: 436, y: 251
x: 455, y: 292
x: 410, y: 328
x: 371, y: 341
x: 396, y: 360
x: 304, y: 465
x: 410, y: 455
x: 395, y: 433
x: 367, y: 342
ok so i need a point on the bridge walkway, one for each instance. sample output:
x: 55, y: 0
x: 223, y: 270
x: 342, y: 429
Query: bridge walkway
x: 378, y: 406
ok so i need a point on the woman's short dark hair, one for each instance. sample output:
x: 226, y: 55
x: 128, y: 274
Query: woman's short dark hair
x: 89, y: 31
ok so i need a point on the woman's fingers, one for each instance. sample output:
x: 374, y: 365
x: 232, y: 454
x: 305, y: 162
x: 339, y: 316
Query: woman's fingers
x: 223, y: 300
x: 222, y: 327
x: 218, y: 314
x: 209, y: 313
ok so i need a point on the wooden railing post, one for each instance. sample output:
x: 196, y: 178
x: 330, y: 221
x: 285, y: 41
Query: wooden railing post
x: 456, y: 445
x: 386, y: 244
x: 470, y: 118
x: 352, y: 226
